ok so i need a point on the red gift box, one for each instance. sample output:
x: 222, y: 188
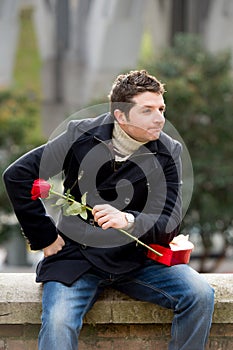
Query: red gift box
x: 178, y: 253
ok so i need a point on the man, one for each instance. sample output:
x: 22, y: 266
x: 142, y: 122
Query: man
x: 131, y: 172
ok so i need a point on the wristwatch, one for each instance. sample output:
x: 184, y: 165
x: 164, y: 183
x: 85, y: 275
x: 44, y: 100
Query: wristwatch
x: 131, y: 219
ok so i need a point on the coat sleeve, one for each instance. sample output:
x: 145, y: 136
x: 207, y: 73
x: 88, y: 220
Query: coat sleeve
x: 162, y: 223
x: 43, y: 162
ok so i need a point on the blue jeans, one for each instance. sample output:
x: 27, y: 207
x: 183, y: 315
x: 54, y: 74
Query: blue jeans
x: 178, y: 287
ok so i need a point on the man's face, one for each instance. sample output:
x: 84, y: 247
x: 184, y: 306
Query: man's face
x: 146, y: 118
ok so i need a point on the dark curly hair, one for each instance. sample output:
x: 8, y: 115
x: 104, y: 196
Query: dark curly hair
x: 126, y: 86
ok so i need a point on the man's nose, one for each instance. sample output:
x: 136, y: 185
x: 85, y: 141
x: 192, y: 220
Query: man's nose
x: 158, y: 117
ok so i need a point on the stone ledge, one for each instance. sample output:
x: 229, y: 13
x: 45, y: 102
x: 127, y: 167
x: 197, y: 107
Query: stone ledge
x: 20, y: 303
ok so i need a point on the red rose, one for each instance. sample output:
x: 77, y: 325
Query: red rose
x: 40, y: 189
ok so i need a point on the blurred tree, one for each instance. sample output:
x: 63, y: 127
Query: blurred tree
x: 18, y: 117
x: 200, y: 105
x: 20, y: 128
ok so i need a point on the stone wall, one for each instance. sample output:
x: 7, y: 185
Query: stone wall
x: 116, y: 322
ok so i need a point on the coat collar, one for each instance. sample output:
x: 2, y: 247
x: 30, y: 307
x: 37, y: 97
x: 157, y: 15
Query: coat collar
x: 104, y: 134
x: 102, y: 128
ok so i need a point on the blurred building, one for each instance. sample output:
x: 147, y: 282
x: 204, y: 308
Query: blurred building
x: 84, y: 44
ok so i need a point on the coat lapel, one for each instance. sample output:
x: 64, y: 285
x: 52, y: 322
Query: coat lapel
x: 94, y: 154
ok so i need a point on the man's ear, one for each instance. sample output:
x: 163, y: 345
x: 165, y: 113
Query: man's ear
x: 120, y: 116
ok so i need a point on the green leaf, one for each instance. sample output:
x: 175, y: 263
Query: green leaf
x: 83, y: 214
x: 68, y: 195
x: 74, y: 209
x: 60, y: 202
x: 84, y: 199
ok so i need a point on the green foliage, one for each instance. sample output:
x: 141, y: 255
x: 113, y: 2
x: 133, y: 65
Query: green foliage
x: 18, y: 117
x: 199, y: 102
x: 20, y: 113
x: 28, y: 60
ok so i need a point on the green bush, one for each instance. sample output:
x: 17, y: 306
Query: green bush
x: 20, y: 112
x: 18, y: 118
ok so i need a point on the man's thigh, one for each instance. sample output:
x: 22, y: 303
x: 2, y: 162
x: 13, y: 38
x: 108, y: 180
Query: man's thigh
x: 164, y: 285
x: 70, y: 301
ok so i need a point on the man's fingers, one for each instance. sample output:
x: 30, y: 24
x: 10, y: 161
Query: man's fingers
x: 55, y: 247
x: 107, y: 216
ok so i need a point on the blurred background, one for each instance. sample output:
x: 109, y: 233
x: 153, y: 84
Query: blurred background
x: 58, y: 56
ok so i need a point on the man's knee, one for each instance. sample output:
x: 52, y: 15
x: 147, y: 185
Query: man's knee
x: 200, y: 295
x: 59, y: 317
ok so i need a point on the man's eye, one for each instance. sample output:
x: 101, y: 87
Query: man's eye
x: 147, y: 110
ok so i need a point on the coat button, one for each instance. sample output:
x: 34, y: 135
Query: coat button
x: 91, y: 222
x: 127, y: 200
x: 83, y: 246
x: 148, y: 186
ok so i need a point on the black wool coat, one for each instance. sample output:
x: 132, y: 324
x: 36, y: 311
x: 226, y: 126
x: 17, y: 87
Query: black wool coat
x: 148, y: 185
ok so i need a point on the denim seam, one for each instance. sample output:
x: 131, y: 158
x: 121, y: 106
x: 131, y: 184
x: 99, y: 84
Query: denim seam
x: 155, y: 289
x: 90, y: 305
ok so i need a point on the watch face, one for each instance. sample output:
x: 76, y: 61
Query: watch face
x: 130, y: 218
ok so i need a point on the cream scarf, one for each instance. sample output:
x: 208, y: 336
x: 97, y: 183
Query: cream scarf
x: 123, y: 144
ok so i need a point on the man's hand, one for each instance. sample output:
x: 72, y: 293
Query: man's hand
x: 55, y: 247
x: 107, y: 216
